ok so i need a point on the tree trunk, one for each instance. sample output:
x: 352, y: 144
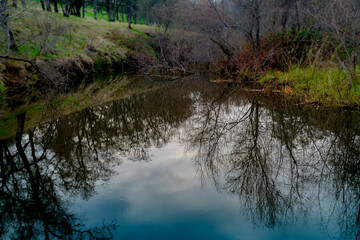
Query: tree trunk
x: 297, y: 15
x: 110, y: 11
x: 14, y: 3
x: 83, y: 9
x: 56, y: 6
x: 42, y: 4
x: 23, y: 3
x: 78, y: 5
x: 48, y: 7
x: 75, y: 7
x: 65, y: 9
x: 95, y: 9
x: 66, y: 13
x: 5, y: 26
x: 128, y: 16
x: 122, y: 14
x: 33, y: 177
x: 117, y: 11
x: 257, y: 31
x: 285, y: 13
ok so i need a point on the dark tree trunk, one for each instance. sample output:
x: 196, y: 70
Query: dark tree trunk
x: 95, y: 9
x: 297, y: 15
x: 78, y: 9
x: 9, y: 37
x: 56, y: 6
x: 83, y: 9
x: 14, y: 3
x: 23, y: 3
x: 32, y: 176
x: 285, y: 14
x: 65, y: 9
x: 122, y: 14
x: 2, y: 163
x: 117, y: 11
x: 42, y: 4
x: 5, y: 26
x: 75, y: 8
x: 128, y: 16
x: 257, y: 34
x: 110, y: 10
x: 48, y: 7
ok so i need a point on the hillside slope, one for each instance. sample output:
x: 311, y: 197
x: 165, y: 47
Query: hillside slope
x: 55, y: 51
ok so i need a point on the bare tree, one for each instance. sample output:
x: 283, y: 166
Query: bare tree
x: 55, y: 6
x: 65, y: 7
x: 95, y: 9
x: 83, y: 8
x: 42, y: 4
x: 110, y: 10
x: 4, y: 20
x: 48, y: 6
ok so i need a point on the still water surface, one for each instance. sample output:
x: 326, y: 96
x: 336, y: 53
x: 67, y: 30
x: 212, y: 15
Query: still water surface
x: 191, y: 160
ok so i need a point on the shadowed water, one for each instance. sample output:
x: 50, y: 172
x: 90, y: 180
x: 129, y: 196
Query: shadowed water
x: 191, y: 160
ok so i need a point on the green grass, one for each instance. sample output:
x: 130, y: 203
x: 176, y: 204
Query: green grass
x: 2, y: 87
x: 89, y: 12
x: 319, y: 84
x: 69, y: 36
x: 2, y: 92
x: 83, y: 44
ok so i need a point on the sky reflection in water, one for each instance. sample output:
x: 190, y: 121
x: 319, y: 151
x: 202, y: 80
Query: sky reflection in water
x: 165, y: 199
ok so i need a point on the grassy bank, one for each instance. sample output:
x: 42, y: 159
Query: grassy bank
x: 69, y: 51
x: 318, y: 85
x: 66, y: 36
x: 66, y: 50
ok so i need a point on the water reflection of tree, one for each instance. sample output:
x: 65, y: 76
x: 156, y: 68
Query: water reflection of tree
x: 31, y: 199
x: 126, y: 127
x: 281, y: 161
x: 68, y: 156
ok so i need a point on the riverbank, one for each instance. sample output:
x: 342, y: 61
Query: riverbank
x: 313, y: 64
x: 56, y: 53
x: 329, y: 86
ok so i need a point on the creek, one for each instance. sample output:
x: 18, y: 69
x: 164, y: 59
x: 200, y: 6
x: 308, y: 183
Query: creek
x: 189, y: 160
